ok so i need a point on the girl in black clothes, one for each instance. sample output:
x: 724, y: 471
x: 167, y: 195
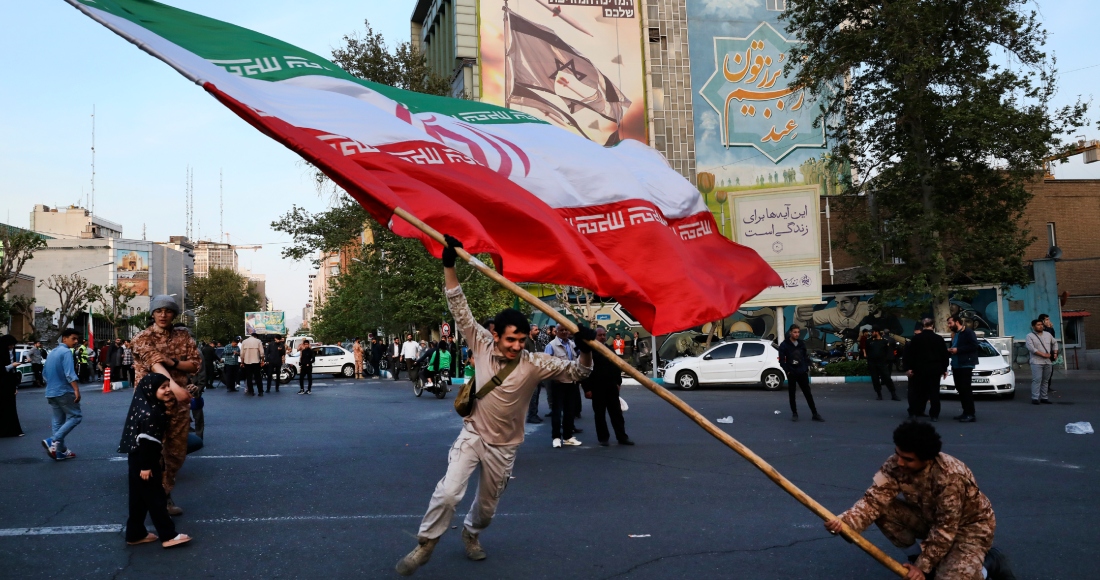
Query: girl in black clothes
x: 146, y: 423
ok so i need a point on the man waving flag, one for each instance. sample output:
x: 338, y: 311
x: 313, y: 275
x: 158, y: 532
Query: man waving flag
x: 616, y: 220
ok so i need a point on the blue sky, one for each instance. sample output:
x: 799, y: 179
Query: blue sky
x: 151, y: 123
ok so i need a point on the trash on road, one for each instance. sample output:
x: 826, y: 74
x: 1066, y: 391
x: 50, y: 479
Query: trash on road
x: 1082, y: 428
x: 726, y: 419
x: 639, y: 535
x: 777, y: 412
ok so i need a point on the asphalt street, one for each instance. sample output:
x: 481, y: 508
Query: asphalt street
x: 333, y: 485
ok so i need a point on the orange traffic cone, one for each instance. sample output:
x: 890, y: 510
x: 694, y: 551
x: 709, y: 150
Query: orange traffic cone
x: 107, y: 380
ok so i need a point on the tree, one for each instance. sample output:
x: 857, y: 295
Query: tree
x: 16, y: 247
x: 941, y: 138
x: 74, y: 294
x: 368, y: 58
x: 113, y: 302
x: 396, y: 285
x: 221, y: 299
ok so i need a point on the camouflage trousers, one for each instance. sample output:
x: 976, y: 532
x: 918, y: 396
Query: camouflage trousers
x: 903, y: 525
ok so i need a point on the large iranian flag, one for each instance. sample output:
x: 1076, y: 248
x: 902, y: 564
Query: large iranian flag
x: 548, y: 205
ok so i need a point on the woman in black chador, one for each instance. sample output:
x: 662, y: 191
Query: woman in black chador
x: 10, y: 377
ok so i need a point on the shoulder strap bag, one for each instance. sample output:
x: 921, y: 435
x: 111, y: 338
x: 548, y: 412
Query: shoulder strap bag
x: 467, y: 395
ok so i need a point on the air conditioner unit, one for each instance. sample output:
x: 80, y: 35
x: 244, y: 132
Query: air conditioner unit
x: 1093, y: 155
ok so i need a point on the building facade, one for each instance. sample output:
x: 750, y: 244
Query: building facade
x: 72, y: 222
x: 214, y: 255
x: 146, y: 268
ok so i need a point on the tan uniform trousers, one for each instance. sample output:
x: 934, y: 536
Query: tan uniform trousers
x: 466, y: 454
x: 903, y: 525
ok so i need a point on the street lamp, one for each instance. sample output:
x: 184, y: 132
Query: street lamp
x: 93, y: 267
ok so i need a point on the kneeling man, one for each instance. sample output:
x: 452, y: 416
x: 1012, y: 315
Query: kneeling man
x: 923, y: 494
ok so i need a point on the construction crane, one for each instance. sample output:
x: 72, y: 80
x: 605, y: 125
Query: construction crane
x: 252, y: 247
x: 1091, y: 150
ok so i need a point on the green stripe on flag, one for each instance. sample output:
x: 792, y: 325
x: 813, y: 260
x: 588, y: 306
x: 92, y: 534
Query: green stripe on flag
x: 257, y: 56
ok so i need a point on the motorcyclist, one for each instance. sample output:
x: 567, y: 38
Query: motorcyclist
x: 422, y: 363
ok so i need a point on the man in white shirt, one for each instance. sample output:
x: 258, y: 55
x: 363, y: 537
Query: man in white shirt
x: 1043, y: 350
x: 410, y: 351
x: 252, y: 352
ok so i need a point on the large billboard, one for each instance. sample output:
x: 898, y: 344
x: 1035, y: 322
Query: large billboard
x: 268, y: 322
x: 574, y: 63
x: 132, y: 270
x: 783, y: 226
x: 754, y: 130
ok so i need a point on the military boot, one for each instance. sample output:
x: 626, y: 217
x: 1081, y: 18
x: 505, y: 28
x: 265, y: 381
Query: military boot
x: 473, y: 547
x: 997, y: 566
x: 418, y: 557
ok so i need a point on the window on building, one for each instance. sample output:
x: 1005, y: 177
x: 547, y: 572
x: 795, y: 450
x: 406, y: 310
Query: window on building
x: 1052, y: 238
x: 1071, y: 332
x: 334, y: 270
x: 777, y: 5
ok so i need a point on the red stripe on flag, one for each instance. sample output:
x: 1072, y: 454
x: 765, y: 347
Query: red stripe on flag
x: 670, y: 275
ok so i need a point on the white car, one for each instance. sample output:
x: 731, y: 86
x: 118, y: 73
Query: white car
x: 734, y: 362
x: 331, y: 359
x: 992, y: 376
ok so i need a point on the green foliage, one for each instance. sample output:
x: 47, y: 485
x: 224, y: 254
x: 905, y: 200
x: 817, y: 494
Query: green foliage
x: 397, y: 286
x: 16, y: 247
x: 942, y: 139
x: 327, y: 231
x: 113, y: 303
x: 368, y: 58
x: 847, y: 368
x: 221, y: 299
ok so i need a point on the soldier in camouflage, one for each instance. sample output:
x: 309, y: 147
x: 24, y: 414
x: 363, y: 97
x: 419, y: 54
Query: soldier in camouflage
x: 922, y: 494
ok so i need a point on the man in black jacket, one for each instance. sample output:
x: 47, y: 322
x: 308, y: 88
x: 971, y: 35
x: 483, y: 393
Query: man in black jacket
x: 305, y: 369
x: 274, y: 354
x: 209, y: 370
x: 377, y: 349
x: 925, y: 361
x: 880, y: 355
x: 964, y: 357
x: 796, y: 363
x: 602, y: 386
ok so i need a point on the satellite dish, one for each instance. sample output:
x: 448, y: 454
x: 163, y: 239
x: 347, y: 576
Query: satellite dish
x: 1063, y: 298
x: 1054, y: 253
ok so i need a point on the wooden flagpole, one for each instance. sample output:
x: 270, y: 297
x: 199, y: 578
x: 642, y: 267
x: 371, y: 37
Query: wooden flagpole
x: 769, y: 471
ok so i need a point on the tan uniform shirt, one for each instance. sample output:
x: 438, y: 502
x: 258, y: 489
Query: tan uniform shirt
x: 946, y: 495
x: 498, y: 417
x: 252, y: 351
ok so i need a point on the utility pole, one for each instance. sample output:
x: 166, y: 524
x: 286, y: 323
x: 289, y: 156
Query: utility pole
x: 221, y: 210
x: 91, y: 199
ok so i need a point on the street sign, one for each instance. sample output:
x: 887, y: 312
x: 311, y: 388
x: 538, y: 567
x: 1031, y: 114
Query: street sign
x: 603, y: 317
x: 627, y: 318
x: 446, y: 329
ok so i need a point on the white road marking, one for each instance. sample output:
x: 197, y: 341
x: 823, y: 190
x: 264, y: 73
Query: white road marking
x: 116, y: 528
x: 208, y: 457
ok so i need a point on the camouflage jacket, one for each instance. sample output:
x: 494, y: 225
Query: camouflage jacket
x: 946, y: 495
x: 155, y: 345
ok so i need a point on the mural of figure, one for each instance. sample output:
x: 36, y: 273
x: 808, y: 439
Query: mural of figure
x: 844, y: 318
